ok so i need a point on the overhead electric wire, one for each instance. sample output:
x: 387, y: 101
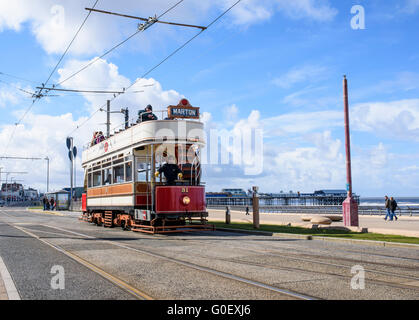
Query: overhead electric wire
x: 16, y: 77
x: 144, y: 19
x: 160, y: 63
x: 40, y: 91
x: 81, y: 91
x: 69, y: 45
x: 113, y: 48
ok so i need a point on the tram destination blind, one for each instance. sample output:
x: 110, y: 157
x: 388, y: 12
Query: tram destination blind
x: 183, y: 112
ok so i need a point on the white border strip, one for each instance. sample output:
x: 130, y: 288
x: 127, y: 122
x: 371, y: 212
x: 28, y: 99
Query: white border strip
x: 8, y: 282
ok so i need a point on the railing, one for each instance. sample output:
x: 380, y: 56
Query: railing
x: 362, y: 210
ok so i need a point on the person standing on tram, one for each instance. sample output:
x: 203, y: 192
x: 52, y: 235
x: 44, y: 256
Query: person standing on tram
x: 171, y: 171
x: 147, y: 114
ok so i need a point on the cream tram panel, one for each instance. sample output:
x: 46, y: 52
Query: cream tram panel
x: 149, y: 130
x: 110, y: 201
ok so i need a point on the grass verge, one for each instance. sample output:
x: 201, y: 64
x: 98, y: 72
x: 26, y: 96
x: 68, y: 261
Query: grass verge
x: 319, y: 232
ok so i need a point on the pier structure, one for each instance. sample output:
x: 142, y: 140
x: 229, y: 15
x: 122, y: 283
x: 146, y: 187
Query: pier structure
x: 317, y: 198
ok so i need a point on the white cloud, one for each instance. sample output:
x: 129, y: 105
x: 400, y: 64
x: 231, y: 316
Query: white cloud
x: 41, y: 135
x: 395, y: 119
x: 307, y: 73
x: 55, y: 23
x: 302, y: 122
x: 411, y: 6
x: 106, y: 76
x: 7, y: 97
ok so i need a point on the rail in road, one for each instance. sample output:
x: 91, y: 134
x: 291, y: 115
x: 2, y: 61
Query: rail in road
x: 362, y: 210
x: 239, y: 265
x: 42, y: 235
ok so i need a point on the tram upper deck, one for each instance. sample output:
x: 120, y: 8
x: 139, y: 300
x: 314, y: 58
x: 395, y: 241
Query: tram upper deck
x: 146, y: 133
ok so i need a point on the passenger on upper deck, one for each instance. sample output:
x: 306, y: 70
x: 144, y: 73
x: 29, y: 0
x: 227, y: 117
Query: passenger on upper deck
x: 93, y: 142
x: 171, y: 171
x: 100, y: 137
x: 147, y: 114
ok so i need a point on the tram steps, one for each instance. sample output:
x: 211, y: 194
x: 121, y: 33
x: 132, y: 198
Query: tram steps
x: 108, y: 221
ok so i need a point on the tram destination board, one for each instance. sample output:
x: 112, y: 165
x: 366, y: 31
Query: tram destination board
x: 183, y: 112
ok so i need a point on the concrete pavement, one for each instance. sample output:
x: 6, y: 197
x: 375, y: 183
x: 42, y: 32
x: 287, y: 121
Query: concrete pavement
x: 405, y: 225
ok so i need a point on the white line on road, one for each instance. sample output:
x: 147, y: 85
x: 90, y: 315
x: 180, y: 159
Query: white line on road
x: 11, y: 290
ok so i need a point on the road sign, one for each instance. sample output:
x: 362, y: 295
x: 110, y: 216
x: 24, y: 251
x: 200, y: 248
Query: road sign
x: 68, y: 141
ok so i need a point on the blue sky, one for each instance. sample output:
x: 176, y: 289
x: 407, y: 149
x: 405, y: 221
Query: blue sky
x: 269, y: 64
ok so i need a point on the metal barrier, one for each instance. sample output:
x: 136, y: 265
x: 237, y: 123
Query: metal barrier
x: 362, y: 210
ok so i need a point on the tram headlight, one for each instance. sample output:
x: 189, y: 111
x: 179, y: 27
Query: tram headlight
x: 186, y: 200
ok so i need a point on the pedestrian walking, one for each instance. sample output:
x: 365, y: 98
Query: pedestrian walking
x: 393, y: 207
x: 44, y: 201
x: 52, y: 204
x: 247, y: 211
x: 388, y: 211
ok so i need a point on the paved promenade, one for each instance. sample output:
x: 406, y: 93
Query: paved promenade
x: 405, y: 225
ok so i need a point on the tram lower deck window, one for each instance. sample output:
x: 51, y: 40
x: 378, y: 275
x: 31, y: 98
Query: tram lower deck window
x: 128, y: 171
x: 97, y: 178
x: 89, y: 180
x: 118, y: 174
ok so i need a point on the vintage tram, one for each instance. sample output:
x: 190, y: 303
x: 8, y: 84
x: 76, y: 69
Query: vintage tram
x: 123, y: 189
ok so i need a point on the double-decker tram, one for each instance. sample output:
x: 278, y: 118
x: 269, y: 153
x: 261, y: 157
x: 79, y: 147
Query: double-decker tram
x: 147, y: 177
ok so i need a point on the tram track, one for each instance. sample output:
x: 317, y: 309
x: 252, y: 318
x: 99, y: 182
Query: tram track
x: 293, y: 269
x: 311, y: 259
x: 129, y: 288
x: 307, y: 259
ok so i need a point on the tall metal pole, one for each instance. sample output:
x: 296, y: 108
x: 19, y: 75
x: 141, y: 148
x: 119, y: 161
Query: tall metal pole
x: 255, y: 208
x: 349, y: 206
x: 46, y: 158
x: 71, y: 172
x: 108, y: 118
x: 7, y: 175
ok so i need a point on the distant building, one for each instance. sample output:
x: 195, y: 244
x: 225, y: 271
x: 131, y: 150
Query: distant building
x: 31, y: 194
x: 12, y: 191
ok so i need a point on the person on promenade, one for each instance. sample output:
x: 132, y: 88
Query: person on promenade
x: 44, y: 201
x: 393, y: 207
x: 247, y: 211
x: 388, y: 211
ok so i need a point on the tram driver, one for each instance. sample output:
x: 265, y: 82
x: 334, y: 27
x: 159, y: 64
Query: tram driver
x: 147, y: 114
x: 171, y: 171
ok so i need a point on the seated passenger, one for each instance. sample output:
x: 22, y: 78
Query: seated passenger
x: 171, y: 171
x: 99, y: 137
x: 93, y: 142
x: 146, y: 115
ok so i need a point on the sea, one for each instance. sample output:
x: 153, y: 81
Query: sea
x: 378, y: 201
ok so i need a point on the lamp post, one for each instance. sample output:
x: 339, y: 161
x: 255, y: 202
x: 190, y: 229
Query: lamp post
x: 349, y: 206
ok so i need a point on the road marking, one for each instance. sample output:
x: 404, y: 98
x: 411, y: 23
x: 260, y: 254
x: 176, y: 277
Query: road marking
x: 120, y: 283
x: 11, y: 290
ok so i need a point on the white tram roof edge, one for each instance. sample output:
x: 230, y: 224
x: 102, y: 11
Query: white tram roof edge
x: 145, y: 133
